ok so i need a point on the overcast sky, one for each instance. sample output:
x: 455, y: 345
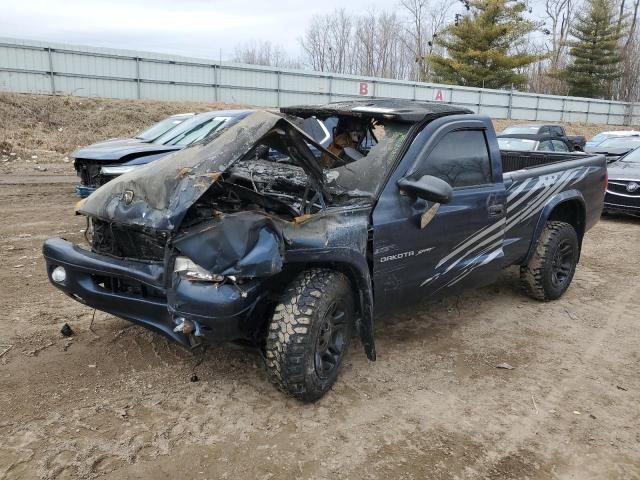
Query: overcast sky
x: 197, y: 28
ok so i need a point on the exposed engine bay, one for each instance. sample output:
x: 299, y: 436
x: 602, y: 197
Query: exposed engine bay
x: 270, y: 177
x: 280, y: 189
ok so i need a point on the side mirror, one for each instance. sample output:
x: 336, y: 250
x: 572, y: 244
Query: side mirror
x: 428, y: 188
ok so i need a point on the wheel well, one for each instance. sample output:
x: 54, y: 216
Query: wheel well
x: 293, y: 269
x: 571, y: 212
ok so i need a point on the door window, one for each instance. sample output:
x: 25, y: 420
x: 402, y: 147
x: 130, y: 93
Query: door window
x: 460, y: 158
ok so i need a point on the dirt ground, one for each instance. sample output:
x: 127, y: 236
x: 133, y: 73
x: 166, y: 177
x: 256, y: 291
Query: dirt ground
x: 117, y: 402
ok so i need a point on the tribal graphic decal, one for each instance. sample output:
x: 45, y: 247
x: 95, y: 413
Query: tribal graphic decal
x: 524, y: 200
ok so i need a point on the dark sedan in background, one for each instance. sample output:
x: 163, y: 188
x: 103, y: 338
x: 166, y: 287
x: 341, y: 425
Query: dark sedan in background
x: 101, y: 162
x: 616, y: 147
x: 623, y: 188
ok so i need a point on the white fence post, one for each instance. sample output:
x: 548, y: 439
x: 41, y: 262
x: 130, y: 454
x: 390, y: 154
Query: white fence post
x: 138, y: 76
x: 51, y: 72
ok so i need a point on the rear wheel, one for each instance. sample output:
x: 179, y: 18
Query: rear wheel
x: 309, y: 334
x: 553, y: 264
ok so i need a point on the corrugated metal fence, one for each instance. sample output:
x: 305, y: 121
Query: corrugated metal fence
x: 37, y: 67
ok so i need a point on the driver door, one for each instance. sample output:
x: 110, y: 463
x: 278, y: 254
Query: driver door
x: 461, y: 242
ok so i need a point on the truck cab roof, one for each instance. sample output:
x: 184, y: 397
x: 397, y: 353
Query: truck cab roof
x: 409, y: 111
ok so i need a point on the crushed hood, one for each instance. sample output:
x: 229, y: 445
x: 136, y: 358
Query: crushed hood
x: 159, y: 194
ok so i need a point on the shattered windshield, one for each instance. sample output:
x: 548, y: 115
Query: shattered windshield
x: 368, y: 173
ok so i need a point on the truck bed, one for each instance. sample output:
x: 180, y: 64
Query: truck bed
x: 512, y: 160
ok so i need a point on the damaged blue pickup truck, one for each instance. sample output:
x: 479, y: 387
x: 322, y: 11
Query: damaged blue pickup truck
x: 260, y: 235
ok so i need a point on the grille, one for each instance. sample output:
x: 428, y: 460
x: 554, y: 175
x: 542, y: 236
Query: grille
x: 127, y: 286
x: 618, y: 195
x: 620, y: 186
x: 122, y: 241
x: 89, y: 172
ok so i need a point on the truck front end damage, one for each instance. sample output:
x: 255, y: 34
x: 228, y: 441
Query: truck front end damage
x: 196, y: 248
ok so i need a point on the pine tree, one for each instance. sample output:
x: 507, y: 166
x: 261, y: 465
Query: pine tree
x: 480, y: 45
x: 595, y: 50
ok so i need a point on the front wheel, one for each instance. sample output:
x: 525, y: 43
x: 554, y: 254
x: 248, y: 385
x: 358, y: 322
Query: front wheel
x: 553, y: 264
x: 309, y: 334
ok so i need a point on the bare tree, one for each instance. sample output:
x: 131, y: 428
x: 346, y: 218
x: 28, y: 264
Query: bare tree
x: 263, y: 53
x: 415, y: 33
x: 559, y: 13
x: 423, y: 23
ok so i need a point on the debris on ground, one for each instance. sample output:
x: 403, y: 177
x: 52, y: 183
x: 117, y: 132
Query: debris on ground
x: 194, y: 378
x: 66, y: 330
x: 6, y: 349
x: 505, y: 366
x: 621, y: 388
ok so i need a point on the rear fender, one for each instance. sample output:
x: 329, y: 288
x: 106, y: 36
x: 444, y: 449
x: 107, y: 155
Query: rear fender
x: 568, y: 206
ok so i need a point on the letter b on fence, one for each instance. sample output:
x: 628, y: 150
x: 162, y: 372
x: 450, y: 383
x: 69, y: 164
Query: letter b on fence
x: 364, y: 88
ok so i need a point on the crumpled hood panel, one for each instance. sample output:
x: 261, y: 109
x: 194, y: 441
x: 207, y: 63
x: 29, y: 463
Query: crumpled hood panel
x: 159, y: 194
x: 253, y: 243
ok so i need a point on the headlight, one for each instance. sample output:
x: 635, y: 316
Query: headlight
x: 193, y: 271
x: 118, y: 169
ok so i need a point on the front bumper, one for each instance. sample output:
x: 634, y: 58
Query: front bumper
x: 137, y: 291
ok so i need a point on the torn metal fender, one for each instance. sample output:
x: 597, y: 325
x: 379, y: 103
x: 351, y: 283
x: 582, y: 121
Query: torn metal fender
x: 337, y: 239
x: 357, y: 270
x: 245, y: 244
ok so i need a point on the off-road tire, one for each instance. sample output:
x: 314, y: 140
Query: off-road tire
x: 295, y: 331
x: 537, y: 276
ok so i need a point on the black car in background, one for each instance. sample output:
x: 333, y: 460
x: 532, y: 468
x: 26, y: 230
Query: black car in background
x: 623, y: 187
x: 101, y: 162
x: 577, y: 142
x: 616, y: 147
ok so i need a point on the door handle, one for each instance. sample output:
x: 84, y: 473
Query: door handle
x: 496, y: 210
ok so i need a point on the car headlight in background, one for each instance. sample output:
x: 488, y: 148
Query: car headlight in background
x: 193, y: 271
x: 118, y: 169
